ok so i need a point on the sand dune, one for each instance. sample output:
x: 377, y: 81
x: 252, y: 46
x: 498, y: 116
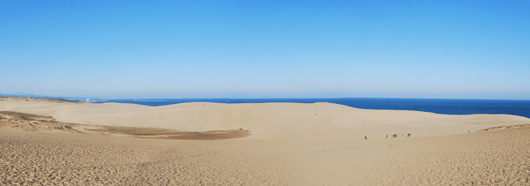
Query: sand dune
x: 272, y: 121
x: 290, y: 144
x: 46, y: 158
x: 29, y: 122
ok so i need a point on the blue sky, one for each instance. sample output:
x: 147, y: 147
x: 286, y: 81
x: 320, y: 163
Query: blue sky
x: 266, y: 49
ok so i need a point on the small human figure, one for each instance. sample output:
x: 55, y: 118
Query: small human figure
x: 468, y: 131
x: 365, y: 137
x: 387, y: 136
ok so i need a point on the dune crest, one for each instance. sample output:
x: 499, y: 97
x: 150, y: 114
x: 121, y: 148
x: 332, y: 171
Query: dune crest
x: 275, y: 121
x: 290, y: 144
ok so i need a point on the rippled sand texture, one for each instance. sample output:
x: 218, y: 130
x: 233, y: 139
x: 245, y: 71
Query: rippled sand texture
x: 493, y: 158
x: 74, y: 159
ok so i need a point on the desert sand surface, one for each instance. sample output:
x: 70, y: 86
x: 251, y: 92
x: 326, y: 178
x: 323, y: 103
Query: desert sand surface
x: 318, y: 122
x: 49, y: 143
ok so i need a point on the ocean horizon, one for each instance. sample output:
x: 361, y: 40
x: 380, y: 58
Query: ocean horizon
x: 439, y: 106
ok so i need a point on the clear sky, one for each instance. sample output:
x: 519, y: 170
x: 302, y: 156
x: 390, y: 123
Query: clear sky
x: 266, y: 49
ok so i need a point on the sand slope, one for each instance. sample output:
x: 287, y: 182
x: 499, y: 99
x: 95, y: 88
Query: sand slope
x: 487, y: 158
x: 271, y: 121
x: 291, y: 144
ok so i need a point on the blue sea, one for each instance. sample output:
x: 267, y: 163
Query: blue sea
x: 440, y: 106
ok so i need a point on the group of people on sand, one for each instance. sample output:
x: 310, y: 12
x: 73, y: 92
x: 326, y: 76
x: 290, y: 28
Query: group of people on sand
x: 393, y: 136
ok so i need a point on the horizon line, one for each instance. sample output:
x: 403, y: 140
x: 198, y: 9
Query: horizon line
x: 109, y: 99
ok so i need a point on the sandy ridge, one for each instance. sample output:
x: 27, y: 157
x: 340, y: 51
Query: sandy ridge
x: 273, y: 121
x: 291, y: 144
